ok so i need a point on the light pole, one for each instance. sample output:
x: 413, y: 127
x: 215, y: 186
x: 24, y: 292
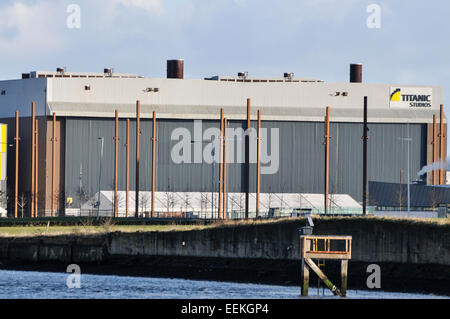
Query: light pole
x: 407, y: 139
x: 101, y: 139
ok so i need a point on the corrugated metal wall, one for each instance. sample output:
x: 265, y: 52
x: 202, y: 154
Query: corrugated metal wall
x: 300, y: 165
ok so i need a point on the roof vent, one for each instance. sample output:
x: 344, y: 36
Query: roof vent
x: 108, y: 71
x: 288, y: 76
x: 243, y: 75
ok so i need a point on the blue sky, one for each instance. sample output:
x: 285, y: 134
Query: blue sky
x: 312, y: 38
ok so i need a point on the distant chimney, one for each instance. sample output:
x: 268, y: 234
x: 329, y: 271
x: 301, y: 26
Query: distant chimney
x: 356, y: 73
x: 175, y: 69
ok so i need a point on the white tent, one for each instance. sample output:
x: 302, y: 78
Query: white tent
x: 203, y: 203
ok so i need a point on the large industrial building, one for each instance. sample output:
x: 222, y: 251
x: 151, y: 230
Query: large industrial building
x: 292, y: 140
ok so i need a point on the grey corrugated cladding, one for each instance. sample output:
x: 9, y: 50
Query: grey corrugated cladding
x: 301, y: 157
x: 392, y: 194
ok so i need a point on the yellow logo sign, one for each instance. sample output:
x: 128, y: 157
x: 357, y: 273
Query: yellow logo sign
x: 396, y: 95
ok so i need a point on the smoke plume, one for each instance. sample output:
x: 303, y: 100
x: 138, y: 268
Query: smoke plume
x: 434, y: 166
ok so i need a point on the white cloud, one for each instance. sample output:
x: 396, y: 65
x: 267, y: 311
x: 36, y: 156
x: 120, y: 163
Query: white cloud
x: 154, y: 7
x: 29, y: 28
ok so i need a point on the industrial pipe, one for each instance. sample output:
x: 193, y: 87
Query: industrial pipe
x: 225, y: 208
x: 221, y: 164
x: 33, y: 130
x: 153, y: 163
x: 16, y: 180
x: 116, y: 161
x: 53, y: 163
x: 247, y: 160
x: 441, y: 137
x: 138, y: 132
x: 258, y: 169
x: 127, y: 145
x: 327, y: 157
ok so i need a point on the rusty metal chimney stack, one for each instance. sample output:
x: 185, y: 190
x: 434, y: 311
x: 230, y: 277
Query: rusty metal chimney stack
x: 175, y: 69
x: 356, y: 73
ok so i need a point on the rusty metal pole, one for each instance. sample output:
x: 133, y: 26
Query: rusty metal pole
x: 258, y: 165
x: 435, y: 157
x: 33, y: 129
x: 138, y: 132
x: 225, y: 208
x: 116, y: 164
x: 153, y: 163
x: 441, y: 137
x: 16, y: 179
x: 127, y: 145
x: 53, y: 163
x: 247, y: 160
x: 221, y: 164
x: 365, y: 138
x: 327, y: 157
x: 36, y: 196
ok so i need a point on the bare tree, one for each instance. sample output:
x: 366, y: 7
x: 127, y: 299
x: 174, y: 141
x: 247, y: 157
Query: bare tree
x: 144, y: 201
x: 203, y: 202
x: 435, y: 199
x: 332, y: 199
x: 186, y: 201
x: 169, y: 200
x: 22, y: 203
x: 300, y: 196
x: 270, y: 196
x: 120, y: 201
x: 82, y: 196
x: 399, y: 197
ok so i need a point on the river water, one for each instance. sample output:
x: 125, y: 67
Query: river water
x: 50, y: 285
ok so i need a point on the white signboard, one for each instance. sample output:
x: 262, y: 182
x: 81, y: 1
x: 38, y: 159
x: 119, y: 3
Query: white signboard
x: 410, y: 97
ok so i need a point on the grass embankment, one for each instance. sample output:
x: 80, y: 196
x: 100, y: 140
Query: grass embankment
x: 19, y: 231
x: 110, y: 225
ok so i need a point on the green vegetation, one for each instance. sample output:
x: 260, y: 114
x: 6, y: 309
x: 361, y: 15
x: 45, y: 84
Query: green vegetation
x: 61, y: 226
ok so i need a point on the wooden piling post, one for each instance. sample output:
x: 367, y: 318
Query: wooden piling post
x: 305, y: 278
x: 344, y: 269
